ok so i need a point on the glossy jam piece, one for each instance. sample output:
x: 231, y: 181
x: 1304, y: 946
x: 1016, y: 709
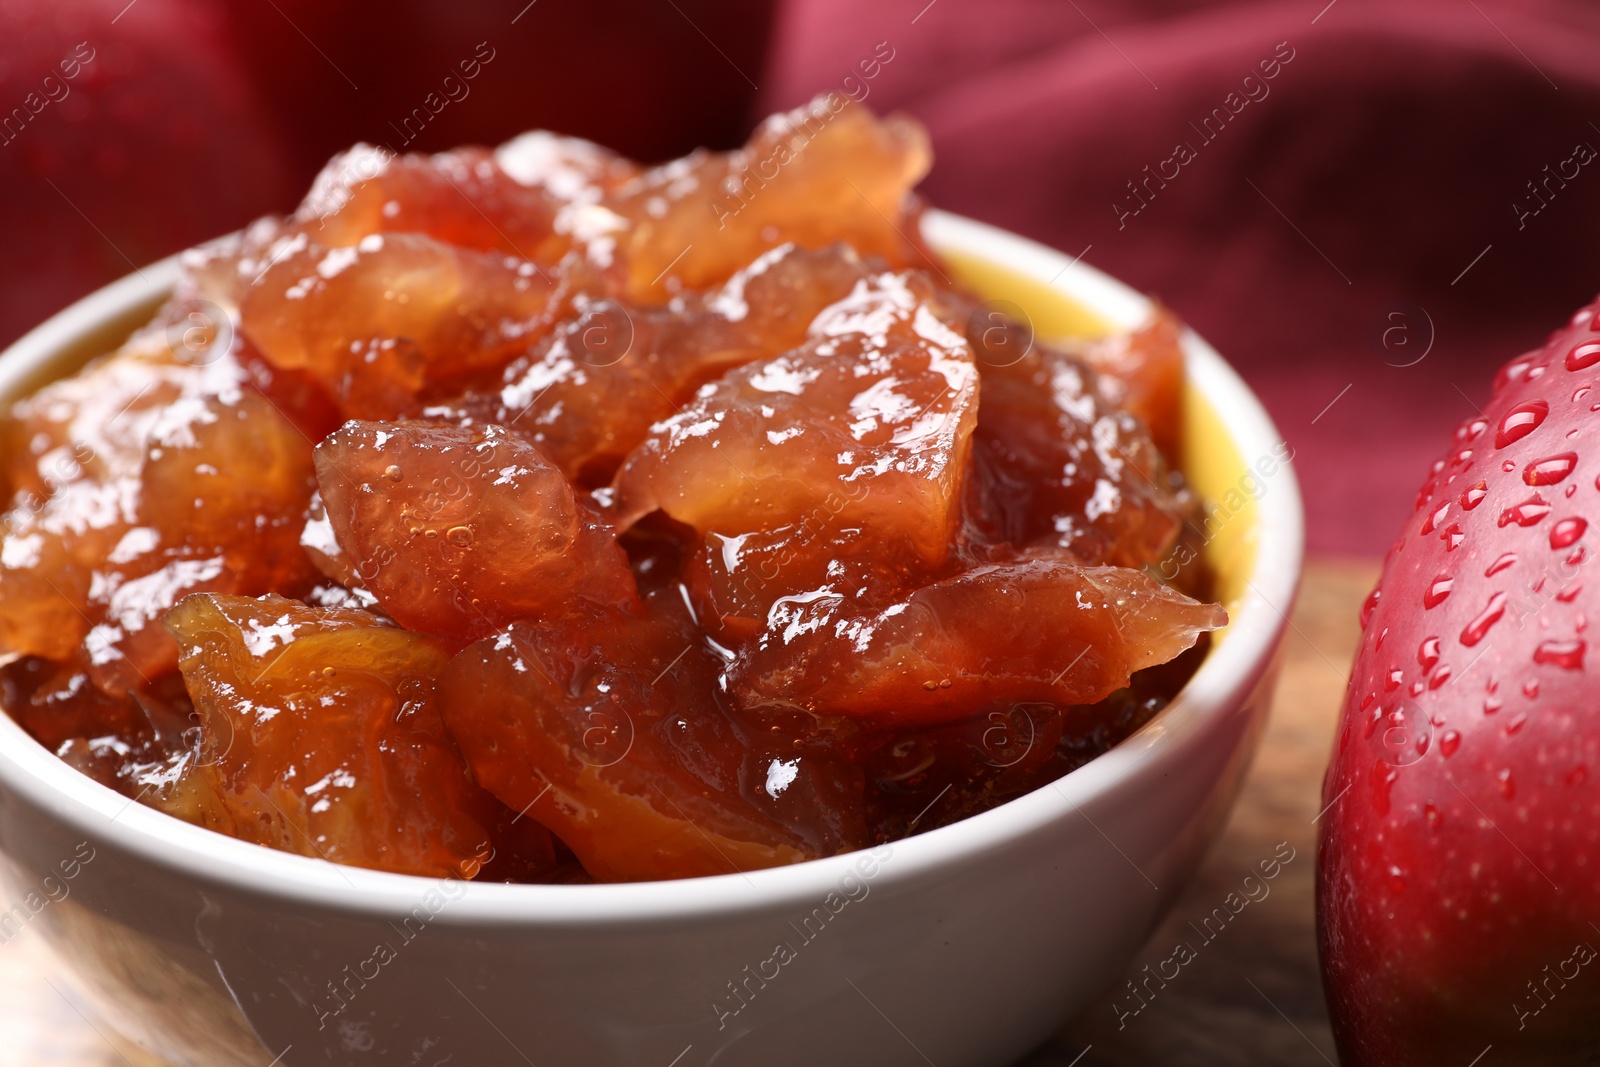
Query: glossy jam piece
x: 1050, y: 631
x: 376, y: 322
x: 605, y: 727
x: 918, y: 780
x: 131, y: 743
x: 58, y: 703
x: 322, y: 737
x: 532, y: 198
x: 223, y: 493
x: 95, y: 424
x: 733, y: 581
x: 47, y: 564
x: 1142, y: 372
x: 158, y: 478
x: 1057, y: 465
x: 870, y: 422
x: 322, y: 546
x: 588, y: 392
x: 826, y: 172
x: 459, y: 531
x: 461, y: 197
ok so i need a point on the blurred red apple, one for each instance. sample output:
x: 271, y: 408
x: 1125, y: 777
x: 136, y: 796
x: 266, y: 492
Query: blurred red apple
x: 127, y: 132
x: 184, y: 119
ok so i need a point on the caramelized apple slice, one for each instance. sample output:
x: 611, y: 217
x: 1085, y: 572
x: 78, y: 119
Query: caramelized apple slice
x: 578, y: 176
x: 1040, y: 630
x: 1142, y: 372
x: 605, y: 728
x: 734, y: 581
x: 73, y: 454
x: 377, y: 321
x: 131, y: 743
x: 462, y: 198
x: 870, y: 421
x: 222, y: 498
x: 154, y: 478
x: 1056, y: 465
x: 322, y: 738
x: 95, y: 424
x: 47, y: 563
x: 826, y: 172
x: 57, y: 702
x: 460, y: 531
x: 588, y: 392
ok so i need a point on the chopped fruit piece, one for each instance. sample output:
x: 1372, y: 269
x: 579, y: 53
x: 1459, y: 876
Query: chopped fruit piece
x: 229, y: 471
x: 322, y: 738
x: 588, y: 392
x: 606, y: 729
x: 534, y: 197
x: 322, y: 546
x: 826, y: 172
x: 458, y: 532
x: 150, y: 478
x: 462, y: 198
x: 57, y: 703
x: 1051, y: 632
x: 377, y: 321
x: 919, y: 780
x: 224, y: 490
x: 47, y: 561
x: 1142, y: 372
x: 871, y: 420
x: 733, y: 581
x: 1057, y: 465
x: 96, y: 424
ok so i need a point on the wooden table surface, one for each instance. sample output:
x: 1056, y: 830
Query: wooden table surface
x: 1252, y: 995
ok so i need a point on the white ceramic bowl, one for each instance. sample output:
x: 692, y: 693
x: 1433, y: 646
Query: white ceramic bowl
x: 963, y: 946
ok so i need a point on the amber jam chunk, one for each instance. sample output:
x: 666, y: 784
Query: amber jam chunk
x: 532, y: 514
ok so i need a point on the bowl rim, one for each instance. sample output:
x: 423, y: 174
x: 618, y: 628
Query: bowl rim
x: 1223, y: 680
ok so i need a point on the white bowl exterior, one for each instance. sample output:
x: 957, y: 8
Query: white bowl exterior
x: 966, y: 945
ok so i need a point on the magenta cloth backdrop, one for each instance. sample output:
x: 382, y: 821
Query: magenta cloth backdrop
x: 1316, y: 187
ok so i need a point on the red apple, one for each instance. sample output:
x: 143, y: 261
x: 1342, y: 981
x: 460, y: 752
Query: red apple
x: 1458, y: 889
x: 126, y: 133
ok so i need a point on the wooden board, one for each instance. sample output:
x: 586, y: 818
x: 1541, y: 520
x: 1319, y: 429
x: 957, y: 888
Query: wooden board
x: 1250, y: 995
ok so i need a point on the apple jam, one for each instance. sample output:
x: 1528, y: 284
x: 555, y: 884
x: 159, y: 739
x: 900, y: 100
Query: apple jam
x: 532, y: 514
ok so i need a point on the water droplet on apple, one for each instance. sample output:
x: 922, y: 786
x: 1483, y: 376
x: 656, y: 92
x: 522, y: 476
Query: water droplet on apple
x: 1528, y: 513
x: 1479, y: 626
x: 1565, y: 532
x: 1584, y: 356
x: 1550, y: 469
x: 1520, y: 421
x: 1565, y: 654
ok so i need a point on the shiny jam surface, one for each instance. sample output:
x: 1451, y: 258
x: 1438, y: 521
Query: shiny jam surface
x: 530, y: 514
